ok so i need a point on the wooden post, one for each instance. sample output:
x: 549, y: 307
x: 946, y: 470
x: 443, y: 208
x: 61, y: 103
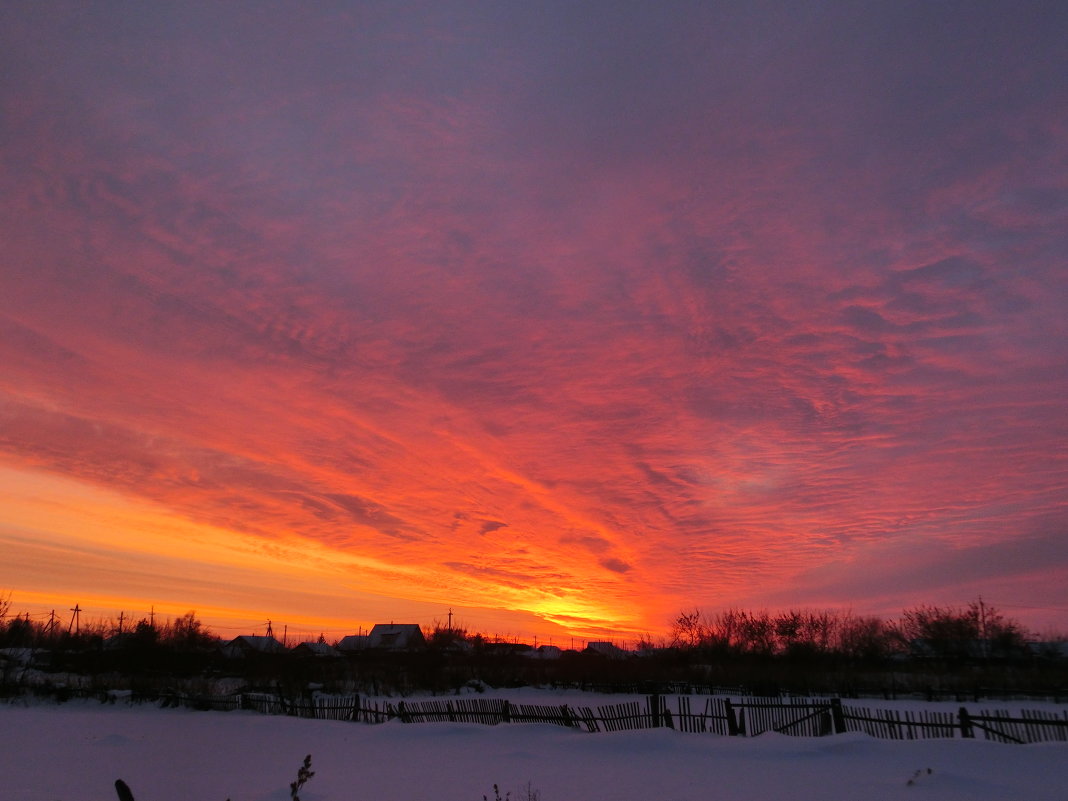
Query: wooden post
x: 966, y: 724
x: 667, y: 718
x: 732, y: 721
x: 506, y: 711
x: 568, y: 719
x: 838, y: 716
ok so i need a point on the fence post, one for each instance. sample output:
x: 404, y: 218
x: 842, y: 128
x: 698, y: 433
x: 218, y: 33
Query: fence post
x: 732, y: 721
x: 568, y: 720
x: 506, y: 711
x: 838, y: 716
x: 966, y: 724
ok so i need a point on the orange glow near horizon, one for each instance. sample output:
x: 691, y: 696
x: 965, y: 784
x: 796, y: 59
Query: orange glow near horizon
x: 338, y: 318
x: 154, y: 560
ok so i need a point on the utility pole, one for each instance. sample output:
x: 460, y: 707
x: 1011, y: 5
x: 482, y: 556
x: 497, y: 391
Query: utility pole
x: 51, y: 622
x: 450, y: 618
x: 270, y: 632
x: 75, y: 623
x: 152, y: 617
x: 122, y: 617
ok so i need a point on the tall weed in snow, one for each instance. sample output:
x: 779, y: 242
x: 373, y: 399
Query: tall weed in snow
x: 304, y: 772
x: 528, y: 793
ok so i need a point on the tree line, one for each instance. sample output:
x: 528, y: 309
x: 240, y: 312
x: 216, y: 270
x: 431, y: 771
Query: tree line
x: 181, y: 634
x: 976, y: 630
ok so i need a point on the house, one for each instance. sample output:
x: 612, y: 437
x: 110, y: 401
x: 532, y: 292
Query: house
x: 396, y: 637
x: 353, y: 642
x: 972, y: 649
x: 544, y: 652
x: 251, y: 645
x: 316, y: 649
x: 16, y: 657
x: 118, y: 642
x: 605, y: 649
x: 1053, y: 650
x: 507, y: 648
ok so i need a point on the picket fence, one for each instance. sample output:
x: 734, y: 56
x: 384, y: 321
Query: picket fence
x: 747, y: 717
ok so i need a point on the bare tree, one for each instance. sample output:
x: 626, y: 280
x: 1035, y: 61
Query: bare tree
x: 689, y: 630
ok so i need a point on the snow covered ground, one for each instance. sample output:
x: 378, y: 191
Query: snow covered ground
x: 74, y: 752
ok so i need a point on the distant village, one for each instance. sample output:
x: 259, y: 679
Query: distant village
x: 405, y: 637
x: 930, y: 650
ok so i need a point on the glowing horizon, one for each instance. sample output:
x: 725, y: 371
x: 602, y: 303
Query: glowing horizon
x: 567, y: 317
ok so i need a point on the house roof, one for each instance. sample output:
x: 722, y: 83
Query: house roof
x: 1055, y: 649
x: 250, y: 643
x: 316, y: 649
x: 544, y: 652
x: 396, y: 636
x: 605, y: 649
x: 353, y: 642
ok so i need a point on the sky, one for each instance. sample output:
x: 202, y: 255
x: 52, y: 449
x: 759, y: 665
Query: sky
x: 564, y: 316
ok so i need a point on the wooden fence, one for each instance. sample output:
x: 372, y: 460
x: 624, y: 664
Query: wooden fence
x: 747, y: 717
x: 895, y: 724
x: 1031, y: 726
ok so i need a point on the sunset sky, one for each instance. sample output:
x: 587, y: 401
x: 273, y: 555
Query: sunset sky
x: 567, y: 316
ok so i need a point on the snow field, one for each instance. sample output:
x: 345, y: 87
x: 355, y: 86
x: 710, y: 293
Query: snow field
x: 74, y: 752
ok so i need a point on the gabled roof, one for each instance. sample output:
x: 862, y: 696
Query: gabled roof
x: 396, y: 636
x: 353, y: 642
x: 315, y: 649
x: 605, y: 649
x: 544, y: 652
x: 250, y: 643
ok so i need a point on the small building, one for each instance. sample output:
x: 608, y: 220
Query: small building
x: 1055, y: 650
x: 605, y: 649
x: 544, y: 652
x: 21, y: 657
x: 251, y: 645
x: 396, y: 637
x: 319, y: 650
x: 119, y: 642
x: 353, y: 642
x: 502, y: 649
